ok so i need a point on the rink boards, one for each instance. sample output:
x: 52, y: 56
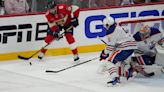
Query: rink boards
x: 24, y: 35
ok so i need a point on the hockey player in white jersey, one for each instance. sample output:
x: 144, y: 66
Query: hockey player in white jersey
x: 120, y: 47
x: 147, y: 38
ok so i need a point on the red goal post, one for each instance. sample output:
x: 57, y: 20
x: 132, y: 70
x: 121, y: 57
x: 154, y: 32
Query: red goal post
x: 141, y: 19
x: 132, y: 25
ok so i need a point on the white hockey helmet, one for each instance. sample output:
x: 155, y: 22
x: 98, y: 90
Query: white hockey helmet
x: 107, y: 22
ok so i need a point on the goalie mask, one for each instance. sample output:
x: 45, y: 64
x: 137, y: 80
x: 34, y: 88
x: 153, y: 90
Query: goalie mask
x: 145, y: 31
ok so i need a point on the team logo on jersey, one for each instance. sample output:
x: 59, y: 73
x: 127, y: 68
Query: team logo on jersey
x: 61, y: 7
x: 69, y: 8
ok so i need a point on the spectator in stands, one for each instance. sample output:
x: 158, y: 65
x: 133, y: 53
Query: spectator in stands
x: 139, y: 1
x: 2, y: 11
x: 156, y: 0
x: 92, y: 4
x: 81, y: 3
x: 145, y: 1
x: 107, y: 3
x: 76, y: 2
x: 127, y: 2
x: 113, y: 2
x: 16, y: 6
x: 69, y: 2
x: 102, y: 3
x: 62, y: 1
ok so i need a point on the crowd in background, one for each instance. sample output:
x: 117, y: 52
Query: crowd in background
x: 32, y: 6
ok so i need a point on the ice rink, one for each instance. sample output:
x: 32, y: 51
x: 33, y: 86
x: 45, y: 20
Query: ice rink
x: 19, y: 76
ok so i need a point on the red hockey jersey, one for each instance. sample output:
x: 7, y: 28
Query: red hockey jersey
x: 64, y: 14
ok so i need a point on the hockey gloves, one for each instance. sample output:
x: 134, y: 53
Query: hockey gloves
x: 75, y: 22
x: 103, y: 56
x: 161, y: 42
x: 57, y: 36
x: 152, y: 45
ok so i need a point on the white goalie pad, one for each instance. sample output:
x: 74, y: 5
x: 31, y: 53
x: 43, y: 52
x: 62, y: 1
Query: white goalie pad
x: 160, y: 57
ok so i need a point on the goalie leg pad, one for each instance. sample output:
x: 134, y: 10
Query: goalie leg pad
x: 102, y: 67
x: 130, y: 73
x: 144, y: 60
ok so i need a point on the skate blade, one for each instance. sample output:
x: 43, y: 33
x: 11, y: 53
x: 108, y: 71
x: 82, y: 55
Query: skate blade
x: 116, y: 85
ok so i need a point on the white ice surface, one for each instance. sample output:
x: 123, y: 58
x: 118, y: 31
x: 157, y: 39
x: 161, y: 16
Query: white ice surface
x: 19, y: 76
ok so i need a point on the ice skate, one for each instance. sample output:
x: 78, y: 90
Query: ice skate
x: 115, y: 82
x: 42, y: 54
x: 131, y: 73
x: 76, y: 59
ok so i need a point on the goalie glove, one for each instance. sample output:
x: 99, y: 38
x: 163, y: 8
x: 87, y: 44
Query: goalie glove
x: 161, y: 42
x: 152, y: 45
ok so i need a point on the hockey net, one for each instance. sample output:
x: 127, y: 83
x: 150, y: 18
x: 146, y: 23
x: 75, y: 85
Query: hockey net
x: 133, y: 25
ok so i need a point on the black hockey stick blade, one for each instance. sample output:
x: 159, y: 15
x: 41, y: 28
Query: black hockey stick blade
x: 149, y: 74
x: 24, y: 58
x: 57, y: 71
x: 51, y: 71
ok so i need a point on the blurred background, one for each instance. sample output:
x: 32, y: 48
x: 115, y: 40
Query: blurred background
x: 35, y: 6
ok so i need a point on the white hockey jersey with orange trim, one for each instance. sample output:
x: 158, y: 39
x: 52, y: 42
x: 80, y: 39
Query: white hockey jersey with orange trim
x: 120, y: 40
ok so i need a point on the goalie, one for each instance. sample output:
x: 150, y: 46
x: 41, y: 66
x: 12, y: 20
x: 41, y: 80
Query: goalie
x: 144, y: 59
x: 120, y: 47
x: 147, y: 38
x: 61, y: 17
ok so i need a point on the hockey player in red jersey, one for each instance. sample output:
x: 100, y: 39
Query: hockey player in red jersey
x: 61, y: 17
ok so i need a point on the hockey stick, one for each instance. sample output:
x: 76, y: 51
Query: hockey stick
x: 27, y: 58
x: 106, y: 43
x: 141, y: 70
x: 57, y: 71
